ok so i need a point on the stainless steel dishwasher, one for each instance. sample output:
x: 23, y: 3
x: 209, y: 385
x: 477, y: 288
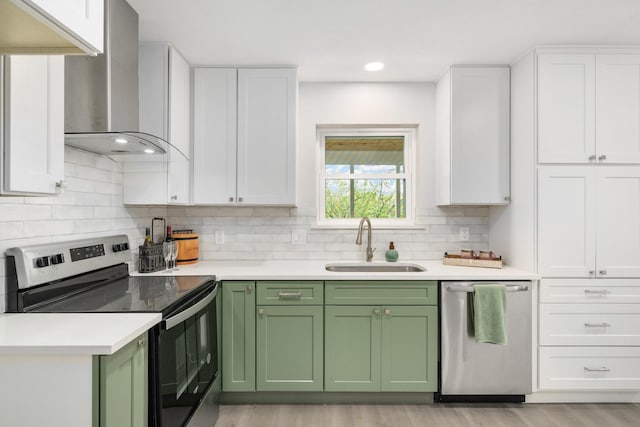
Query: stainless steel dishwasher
x: 477, y: 372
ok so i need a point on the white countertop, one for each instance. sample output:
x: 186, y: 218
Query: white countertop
x: 106, y: 333
x: 315, y: 270
x: 71, y: 333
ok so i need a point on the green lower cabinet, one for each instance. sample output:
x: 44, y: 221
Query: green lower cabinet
x: 409, y: 348
x: 352, y: 348
x: 289, y: 348
x: 121, y: 383
x: 381, y: 348
x: 239, y: 336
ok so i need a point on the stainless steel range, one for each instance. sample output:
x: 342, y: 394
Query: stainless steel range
x: 92, y: 275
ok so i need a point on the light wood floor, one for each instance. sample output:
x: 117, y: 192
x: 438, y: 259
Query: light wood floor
x: 449, y: 415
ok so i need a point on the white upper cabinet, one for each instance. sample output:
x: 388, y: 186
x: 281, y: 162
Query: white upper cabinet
x: 33, y: 134
x: 472, y: 134
x: 244, y: 136
x: 589, y: 221
x: 214, y: 135
x: 266, y: 136
x: 566, y: 110
x: 165, y: 111
x: 618, y: 108
x: 51, y: 26
x: 588, y: 108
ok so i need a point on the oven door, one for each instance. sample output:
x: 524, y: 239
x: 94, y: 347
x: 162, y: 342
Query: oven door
x: 187, y: 359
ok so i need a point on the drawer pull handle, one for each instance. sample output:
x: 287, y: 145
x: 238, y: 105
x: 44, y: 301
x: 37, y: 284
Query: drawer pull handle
x: 599, y: 292
x: 602, y: 369
x: 296, y: 296
x: 597, y: 325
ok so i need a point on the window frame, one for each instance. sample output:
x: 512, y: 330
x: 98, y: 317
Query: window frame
x: 409, y: 134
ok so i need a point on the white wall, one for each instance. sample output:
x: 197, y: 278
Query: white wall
x: 265, y: 233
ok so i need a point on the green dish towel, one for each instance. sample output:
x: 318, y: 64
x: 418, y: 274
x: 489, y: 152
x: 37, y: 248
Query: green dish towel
x: 488, y: 313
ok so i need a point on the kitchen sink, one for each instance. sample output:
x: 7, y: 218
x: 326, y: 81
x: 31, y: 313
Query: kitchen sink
x: 374, y: 268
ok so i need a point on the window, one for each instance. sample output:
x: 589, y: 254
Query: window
x: 365, y: 172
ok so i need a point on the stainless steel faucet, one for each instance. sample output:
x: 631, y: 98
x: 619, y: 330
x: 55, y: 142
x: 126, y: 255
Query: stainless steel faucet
x: 359, y: 237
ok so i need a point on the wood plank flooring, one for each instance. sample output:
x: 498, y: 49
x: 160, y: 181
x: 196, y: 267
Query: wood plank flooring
x: 432, y: 415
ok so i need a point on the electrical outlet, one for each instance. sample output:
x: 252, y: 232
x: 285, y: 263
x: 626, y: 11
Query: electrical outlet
x: 219, y: 236
x: 298, y: 237
x: 464, y: 234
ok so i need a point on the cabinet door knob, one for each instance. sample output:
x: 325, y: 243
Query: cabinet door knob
x: 261, y: 312
x: 602, y: 272
x: 61, y: 184
x: 387, y: 312
x: 249, y: 288
x: 507, y: 198
x: 376, y: 312
x: 591, y: 272
x: 240, y: 199
x: 602, y: 157
x: 592, y: 157
x: 140, y: 343
x: 231, y: 199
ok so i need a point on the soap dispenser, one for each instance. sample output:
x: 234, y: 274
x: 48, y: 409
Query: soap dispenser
x: 391, y: 255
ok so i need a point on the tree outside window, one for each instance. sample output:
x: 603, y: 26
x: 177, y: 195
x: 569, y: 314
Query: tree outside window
x: 365, y: 173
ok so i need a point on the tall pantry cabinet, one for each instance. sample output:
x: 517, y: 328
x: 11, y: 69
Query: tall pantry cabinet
x: 576, y: 201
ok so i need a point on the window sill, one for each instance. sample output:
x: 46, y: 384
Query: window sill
x: 318, y: 226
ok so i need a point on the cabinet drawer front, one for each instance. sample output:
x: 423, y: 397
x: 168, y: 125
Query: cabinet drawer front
x: 289, y: 293
x: 418, y: 292
x: 590, y: 324
x: 589, y: 368
x: 590, y: 291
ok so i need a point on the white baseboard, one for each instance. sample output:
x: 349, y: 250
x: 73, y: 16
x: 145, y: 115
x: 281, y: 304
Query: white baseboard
x: 583, y: 397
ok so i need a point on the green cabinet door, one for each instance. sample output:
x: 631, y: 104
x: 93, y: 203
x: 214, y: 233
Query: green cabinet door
x: 409, y: 348
x: 238, y: 336
x: 289, y: 348
x: 122, y: 386
x: 352, y: 348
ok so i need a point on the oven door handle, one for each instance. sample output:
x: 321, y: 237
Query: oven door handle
x: 172, y: 321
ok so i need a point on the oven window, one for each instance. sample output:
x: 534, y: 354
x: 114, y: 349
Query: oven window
x: 188, y: 363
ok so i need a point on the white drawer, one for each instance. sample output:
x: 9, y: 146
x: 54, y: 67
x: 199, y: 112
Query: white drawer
x: 590, y: 290
x: 589, y: 368
x: 589, y: 324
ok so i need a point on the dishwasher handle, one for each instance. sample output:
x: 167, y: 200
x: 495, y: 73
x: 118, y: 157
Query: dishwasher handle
x: 469, y: 288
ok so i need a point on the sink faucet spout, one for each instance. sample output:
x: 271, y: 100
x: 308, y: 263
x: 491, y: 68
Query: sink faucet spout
x: 359, y: 237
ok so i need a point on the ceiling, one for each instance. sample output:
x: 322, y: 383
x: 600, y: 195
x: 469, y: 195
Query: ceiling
x: 331, y: 40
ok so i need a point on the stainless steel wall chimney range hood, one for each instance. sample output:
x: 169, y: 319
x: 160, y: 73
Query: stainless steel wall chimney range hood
x: 101, y: 92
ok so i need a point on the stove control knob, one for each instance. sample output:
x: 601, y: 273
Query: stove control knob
x: 42, y: 262
x: 119, y: 247
x: 57, y: 259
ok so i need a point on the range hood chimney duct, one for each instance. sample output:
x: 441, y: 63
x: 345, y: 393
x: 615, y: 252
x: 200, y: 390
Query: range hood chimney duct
x: 101, y: 92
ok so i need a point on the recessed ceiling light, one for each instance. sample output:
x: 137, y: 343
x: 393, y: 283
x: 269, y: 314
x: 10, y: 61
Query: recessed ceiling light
x: 121, y: 141
x: 149, y: 151
x: 374, y: 66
